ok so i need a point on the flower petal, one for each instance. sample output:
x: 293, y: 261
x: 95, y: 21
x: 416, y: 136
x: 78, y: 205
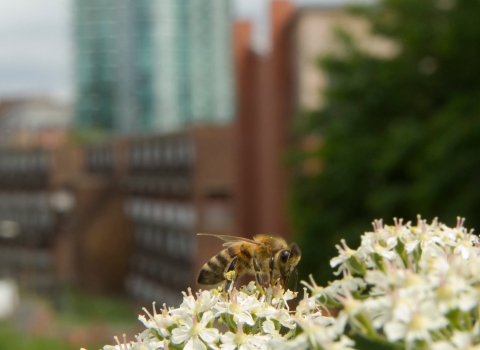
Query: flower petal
x: 179, y: 335
x: 195, y: 344
x: 209, y: 335
x: 394, y: 331
x: 207, y: 316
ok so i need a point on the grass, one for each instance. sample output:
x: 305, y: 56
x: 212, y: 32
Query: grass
x: 80, y: 308
x: 10, y: 338
x: 80, y: 321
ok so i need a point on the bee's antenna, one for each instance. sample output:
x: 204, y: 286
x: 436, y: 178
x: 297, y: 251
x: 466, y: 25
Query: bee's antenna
x: 296, y: 280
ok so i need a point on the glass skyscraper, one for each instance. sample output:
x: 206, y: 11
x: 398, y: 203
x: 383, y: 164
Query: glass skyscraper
x: 153, y: 65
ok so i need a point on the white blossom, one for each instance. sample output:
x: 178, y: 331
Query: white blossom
x: 242, y: 341
x: 196, y: 334
x: 240, y: 307
x: 408, y: 285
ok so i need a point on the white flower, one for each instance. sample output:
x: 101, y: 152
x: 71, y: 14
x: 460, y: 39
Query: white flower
x: 280, y: 315
x: 322, y: 295
x: 459, y: 340
x: 465, y: 245
x: 313, y: 333
x: 269, y: 328
x: 379, y: 281
x: 141, y: 345
x: 378, y: 309
x: 128, y: 346
x: 318, y: 332
x: 284, y: 318
x: 250, y: 288
x: 345, y: 254
x: 240, y: 306
x: 424, y: 238
x: 344, y: 343
x: 384, y: 250
x: 280, y: 296
x: 434, y: 261
x: 415, y: 326
x: 306, y: 305
x: 353, y: 284
x: 160, y: 322
x: 242, y: 341
x: 190, y: 306
x: 192, y: 332
x: 455, y: 292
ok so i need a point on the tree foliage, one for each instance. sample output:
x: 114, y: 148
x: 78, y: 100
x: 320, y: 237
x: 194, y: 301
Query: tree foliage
x: 400, y: 136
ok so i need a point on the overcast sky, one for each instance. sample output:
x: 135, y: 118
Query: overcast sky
x: 36, y: 45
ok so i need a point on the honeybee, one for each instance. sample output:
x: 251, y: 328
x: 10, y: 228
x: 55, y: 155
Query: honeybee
x: 264, y: 254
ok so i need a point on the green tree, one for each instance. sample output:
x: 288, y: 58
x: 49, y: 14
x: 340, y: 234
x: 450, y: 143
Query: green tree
x: 400, y: 136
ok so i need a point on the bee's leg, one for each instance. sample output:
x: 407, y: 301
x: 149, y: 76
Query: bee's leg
x: 231, y: 281
x: 272, y: 261
x: 257, y: 269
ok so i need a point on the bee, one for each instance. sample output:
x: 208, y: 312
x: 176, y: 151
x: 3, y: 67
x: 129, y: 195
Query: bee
x: 264, y: 254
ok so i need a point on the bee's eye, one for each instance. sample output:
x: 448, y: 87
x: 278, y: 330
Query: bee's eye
x: 284, y: 256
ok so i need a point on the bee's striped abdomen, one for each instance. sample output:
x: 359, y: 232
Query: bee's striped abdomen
x: 213, y: 271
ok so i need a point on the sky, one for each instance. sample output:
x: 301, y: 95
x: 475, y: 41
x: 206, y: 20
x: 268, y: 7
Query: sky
x: 36, y: 46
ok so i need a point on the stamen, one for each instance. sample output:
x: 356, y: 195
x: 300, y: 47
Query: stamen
x: 398, y: 223
x: 148, y: 313
x: 312, y: 281
x: 164, y: 310
x: 424, y: 226
x: 139, y: 341
x: 240, y: 328
x: 306, y: 284
x: 154, y: 308
x: 460, y: 222
x: 305, y: 299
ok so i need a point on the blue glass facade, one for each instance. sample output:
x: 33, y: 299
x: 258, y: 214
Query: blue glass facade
x: 153, y: 65
x: 95, y: 63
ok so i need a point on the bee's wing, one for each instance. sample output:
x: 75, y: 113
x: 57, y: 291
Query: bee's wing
x: 232, y: 239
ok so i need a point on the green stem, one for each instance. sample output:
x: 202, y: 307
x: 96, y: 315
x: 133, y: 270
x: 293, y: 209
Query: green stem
x: 256, y: 326
x: 468, y: 321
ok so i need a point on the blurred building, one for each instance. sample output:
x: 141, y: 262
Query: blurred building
x: 33, y: 206
x: 273, y: 89
x: 139, y: 205
x: 153, y: 65
x: 177, y: 185
x: 264, y: 123
x: 34, y: 122
x: 312, y: 35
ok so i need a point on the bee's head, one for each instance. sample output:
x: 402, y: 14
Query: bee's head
x: 286, y: 260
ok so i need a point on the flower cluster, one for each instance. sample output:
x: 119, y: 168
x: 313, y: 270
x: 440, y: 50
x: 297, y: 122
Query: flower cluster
x: 413, y: 287
x: 251, y: 318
